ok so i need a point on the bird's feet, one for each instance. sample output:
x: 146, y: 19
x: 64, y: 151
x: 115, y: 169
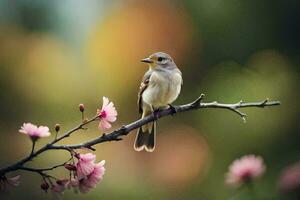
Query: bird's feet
x: 174, y: 109
x: 155, y: 114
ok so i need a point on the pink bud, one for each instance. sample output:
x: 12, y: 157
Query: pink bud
x: 45, y: 186
x: 81, y: 107
x: 70, y: 167
x: 57, y: 127
x: 77, y: 155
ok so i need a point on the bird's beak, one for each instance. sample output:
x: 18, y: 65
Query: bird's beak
x: 147, y: 60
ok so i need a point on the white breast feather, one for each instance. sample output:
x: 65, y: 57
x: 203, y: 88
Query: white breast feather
x: 163, y: 89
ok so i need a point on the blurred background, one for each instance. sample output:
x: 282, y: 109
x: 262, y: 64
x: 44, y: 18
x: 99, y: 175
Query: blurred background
x: 57, y: 54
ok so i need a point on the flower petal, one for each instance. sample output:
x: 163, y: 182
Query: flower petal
x: 104, y: 124
x: 14, y: 181
x: 105, y: 102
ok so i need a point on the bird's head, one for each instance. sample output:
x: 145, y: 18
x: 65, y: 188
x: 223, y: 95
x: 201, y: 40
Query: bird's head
x: 159, y: 60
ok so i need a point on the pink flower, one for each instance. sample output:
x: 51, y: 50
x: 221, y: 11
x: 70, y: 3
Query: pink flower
x: 107, y: 114
x: 73, y: 183
x: 85, y: 164
x: 289, y: 181
x: 59, y: 188
x: 34, y: 132
x: 13, y: 181
x: 88, y: 173
x: 90, y: 181
x: 245, y: 169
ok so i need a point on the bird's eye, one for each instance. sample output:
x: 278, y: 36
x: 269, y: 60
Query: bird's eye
x: 160, y: 59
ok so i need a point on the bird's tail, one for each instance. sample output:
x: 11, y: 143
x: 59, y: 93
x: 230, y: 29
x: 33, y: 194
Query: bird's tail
x: 145, y: 137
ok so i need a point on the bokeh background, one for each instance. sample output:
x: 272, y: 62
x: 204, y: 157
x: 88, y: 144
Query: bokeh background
x: 57, y: 54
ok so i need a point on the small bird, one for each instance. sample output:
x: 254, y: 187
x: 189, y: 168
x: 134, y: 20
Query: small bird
x: 159, y: 88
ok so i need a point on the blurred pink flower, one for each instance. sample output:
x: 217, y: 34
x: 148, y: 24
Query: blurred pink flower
x: 5, y: 182
x: 107, y: 114
x: 59, y: 188
x: 61, y: 185
x: 90, y: 181
x: 245, y: 169
x: 14, y: 181
x: 85, y: 164
x: 289, y: 181
x: 73, y: 183
x: 34, y: 132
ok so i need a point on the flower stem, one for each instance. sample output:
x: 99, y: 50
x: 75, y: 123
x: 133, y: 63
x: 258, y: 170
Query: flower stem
x: 251, y: 189
x: 33, y: 145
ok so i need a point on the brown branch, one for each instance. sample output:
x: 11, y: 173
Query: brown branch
x: 46, y: 169
x: 117, y: 134
x: 124, y: 130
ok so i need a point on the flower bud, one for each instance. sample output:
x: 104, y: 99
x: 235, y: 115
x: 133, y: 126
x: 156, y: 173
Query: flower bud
x: 77, y: 155
x: 57, y: 127
x: 45, y: 186
x: 62, y: 182
x: 70, y: 167
x: 81, y: 107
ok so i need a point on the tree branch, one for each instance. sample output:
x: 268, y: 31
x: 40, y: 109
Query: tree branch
x: 124, y: 130
x: 117, y: 134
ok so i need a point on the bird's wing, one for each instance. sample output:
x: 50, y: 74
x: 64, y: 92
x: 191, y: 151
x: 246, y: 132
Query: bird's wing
x: 143, y: 87
x: 177, y: 69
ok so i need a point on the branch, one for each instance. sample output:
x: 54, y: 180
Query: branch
x: 197, y: 104
x: 46, y: 169
x: 117, y: 134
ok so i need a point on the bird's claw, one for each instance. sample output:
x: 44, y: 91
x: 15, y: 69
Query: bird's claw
x: 174, y: 109
x: 155, y: 114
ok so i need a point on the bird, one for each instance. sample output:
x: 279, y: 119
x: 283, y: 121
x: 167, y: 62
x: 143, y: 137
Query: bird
x: 160, y: 87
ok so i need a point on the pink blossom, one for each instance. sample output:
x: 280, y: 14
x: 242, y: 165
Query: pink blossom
x: 245, y: 169
x: 59, y: 188
x: 34, y: 132
x: 85, y: 164
x: 289, y: 181
x: 5, y: 182
x: 73, y: 183
x: 88, y: 174
x: 107, y: 114
x: 90, y: 181
x: 14, y: 181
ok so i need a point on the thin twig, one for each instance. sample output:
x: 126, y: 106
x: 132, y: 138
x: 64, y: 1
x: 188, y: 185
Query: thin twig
x: 42, y: 173
x: 46, y: 169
